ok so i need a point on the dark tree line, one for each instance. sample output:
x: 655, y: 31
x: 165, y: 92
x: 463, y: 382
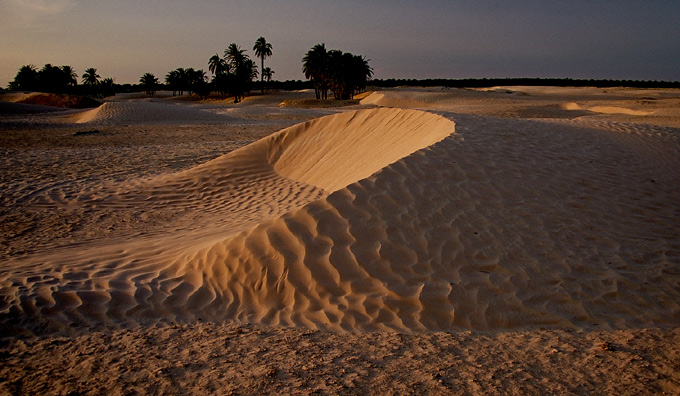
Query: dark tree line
x: 232, y: 75
x: 538, y: 82
x: 340, y: 72
x: 343, y: 74
x: 61, y: 80
x: 190, y: 80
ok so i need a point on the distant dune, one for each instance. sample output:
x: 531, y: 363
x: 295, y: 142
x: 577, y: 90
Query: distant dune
x: 145, y: 112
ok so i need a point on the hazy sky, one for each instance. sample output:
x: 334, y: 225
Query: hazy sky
x: 403, y: 39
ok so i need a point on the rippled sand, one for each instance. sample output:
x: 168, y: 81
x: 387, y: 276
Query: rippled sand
x: 523, y: 213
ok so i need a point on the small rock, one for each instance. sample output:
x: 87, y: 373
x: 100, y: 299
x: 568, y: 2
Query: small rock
x: 607, y: 346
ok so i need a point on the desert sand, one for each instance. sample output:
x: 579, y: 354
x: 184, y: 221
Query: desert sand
x: 512, y: 240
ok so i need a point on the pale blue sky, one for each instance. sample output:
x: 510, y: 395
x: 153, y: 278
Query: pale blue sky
x: 403, y: 39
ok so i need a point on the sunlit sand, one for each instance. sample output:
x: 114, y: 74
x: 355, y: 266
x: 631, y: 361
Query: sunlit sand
x: 527, y: 226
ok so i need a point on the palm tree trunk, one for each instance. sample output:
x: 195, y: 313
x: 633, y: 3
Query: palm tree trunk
x: 262, y: 75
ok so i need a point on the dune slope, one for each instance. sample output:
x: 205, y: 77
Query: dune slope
x: 505, y: 224
x: 485, y: 233
x: 145, y: 111
x: 164, y: 274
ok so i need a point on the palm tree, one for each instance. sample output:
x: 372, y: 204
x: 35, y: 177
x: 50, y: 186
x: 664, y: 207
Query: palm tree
x: 90, y: 77
x: 234, y: 55
x: 338, y: 73
x: 248, y: 74
x: 343, y: 73
x: 199, y: 83
x: 263, y: 50
x: 217, y: 65
x: 242, y: 70
x: 182, y: 80
x: 27, y: 79
x: 315, y: 67
x: 70, y: 75
x: 221, y: 83
x: 188, y: 79
x: 195, y: 78
x: 348, y: 74
x: 173, y: 81
x: 361, y: 72
x: 149, y: 82
x: 106, y: 87
x: 267, y: 73
x: 52, y: 79
x: 220, y: 69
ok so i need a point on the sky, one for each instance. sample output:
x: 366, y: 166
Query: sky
x: 123, y: 39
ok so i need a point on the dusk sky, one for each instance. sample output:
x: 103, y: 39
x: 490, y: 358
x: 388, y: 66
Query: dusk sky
x: 124, y: 39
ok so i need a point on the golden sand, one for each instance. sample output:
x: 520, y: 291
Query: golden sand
x: 545, y: 218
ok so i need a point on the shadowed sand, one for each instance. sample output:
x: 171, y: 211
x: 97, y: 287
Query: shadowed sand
x: 498, y: 211
x: 423, y: 230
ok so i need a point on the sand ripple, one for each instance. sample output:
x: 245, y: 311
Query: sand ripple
x: 403, y: 226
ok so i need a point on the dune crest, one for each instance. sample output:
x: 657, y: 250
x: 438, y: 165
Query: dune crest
x: 335, y: 151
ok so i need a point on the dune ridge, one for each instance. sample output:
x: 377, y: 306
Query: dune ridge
x: 290, y: 168
x: 502, y: 225
x: 353, y: 145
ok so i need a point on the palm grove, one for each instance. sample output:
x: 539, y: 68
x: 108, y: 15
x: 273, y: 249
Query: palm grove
x: 61, y: 79
x: 233, y: 74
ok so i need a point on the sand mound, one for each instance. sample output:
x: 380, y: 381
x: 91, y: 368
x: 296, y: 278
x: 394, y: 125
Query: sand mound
x: 503, y: 225
x: 225, y: 196
x: 57, y: 100
x: 618, y: 110
x: 268, y: 177
x: 571, y: 106
x: 15, y: 96
x: 397, y: 99
x: 606, y: 109
x: 504, y: 246
x: 37, y: 102
x: 10, y: 108
x: 333, y: 152
x: 316, y: 103
x: 133, y: 112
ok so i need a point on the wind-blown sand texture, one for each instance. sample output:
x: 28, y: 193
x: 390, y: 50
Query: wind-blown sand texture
x: 418, y: 212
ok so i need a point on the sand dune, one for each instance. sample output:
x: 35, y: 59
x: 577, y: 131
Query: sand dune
x: 606, y: 109
x: 145, y: 111
x: 381, y: 220
x: 222, y: 197
x: 485, y: 250
x: 656, y: 107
